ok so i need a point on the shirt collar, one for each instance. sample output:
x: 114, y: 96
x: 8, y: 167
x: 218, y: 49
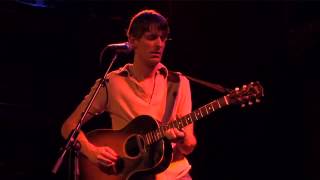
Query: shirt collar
x: 125, y: 70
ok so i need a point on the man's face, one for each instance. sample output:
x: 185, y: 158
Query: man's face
x: 149, y: 48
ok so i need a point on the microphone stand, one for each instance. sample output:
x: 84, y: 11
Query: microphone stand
x: 71, y: 142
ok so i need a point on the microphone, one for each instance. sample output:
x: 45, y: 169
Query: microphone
x: 120, y: 47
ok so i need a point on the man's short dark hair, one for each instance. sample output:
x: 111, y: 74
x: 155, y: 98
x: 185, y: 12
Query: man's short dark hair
x: 142, y: 21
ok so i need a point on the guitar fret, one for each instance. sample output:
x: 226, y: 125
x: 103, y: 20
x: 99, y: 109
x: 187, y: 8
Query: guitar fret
x: 205, y: 107
x: 179, y: 124
x: 218, y: 103
x: 203, y: 111
x: 215, y: 105
x: 198, y: 114
x: 199, y: 110
x: 184, y: 122
x: 211, y: 108
x: 226, y: 100
x: 195, y: 117
x: 208, y: 108
x: 223, y: 101
x: 189, y: 119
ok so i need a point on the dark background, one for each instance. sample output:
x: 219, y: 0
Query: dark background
x: 50, y: 58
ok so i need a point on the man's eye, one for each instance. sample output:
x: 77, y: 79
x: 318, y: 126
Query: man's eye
x: 151, y: 37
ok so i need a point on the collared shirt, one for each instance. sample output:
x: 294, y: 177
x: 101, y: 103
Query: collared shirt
x: 126, y: 99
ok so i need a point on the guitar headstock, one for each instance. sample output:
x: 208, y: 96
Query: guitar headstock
x: 247, y: 94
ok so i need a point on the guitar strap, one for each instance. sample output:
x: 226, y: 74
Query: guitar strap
x: 173, y: 87
x: 173, y: 83
x: 214, y: 86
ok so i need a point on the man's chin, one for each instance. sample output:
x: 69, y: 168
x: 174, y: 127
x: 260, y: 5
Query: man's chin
x: 154, y: 62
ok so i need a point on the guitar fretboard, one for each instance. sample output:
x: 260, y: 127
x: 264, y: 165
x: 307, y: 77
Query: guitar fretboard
x: 155, y: 135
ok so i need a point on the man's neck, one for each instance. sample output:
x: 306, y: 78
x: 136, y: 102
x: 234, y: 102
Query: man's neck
x: 142, y: 71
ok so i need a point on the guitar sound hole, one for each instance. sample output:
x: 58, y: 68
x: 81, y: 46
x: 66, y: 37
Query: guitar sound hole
x: 134, y: 145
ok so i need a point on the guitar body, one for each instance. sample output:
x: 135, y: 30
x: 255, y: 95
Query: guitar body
x: 138, y: 160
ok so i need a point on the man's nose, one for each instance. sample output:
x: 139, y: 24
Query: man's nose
x: 159, y: 42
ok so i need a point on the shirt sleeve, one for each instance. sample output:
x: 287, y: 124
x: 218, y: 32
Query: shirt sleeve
x: 100, y: 102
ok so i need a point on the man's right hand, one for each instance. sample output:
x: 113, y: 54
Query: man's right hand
x: 104, y: 155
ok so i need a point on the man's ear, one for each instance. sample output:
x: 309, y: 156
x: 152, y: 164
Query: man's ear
x: 132, y: 41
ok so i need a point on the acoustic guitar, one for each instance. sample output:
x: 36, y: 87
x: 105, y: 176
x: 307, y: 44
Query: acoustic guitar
x: 142, y: 146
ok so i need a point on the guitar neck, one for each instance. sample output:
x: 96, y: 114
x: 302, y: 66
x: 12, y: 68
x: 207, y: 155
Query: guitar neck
x: 155, y: 135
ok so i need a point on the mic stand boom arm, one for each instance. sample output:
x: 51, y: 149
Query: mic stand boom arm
x: 71, y: 142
